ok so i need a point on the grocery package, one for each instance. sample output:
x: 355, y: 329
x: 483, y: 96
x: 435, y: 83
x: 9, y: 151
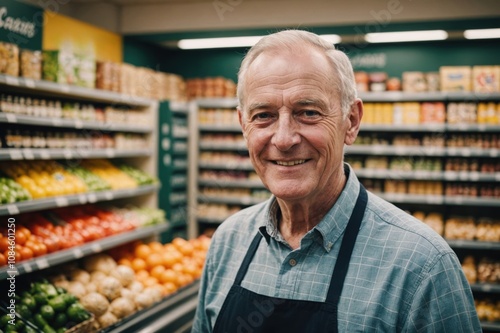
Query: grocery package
x: 9, y: 59
x: 414, y: 82
x: 486, y: 79
x: 31, y: 64
x: 362, y: 80
x: 432, y: 113
x: 378, y: 81
x: 210, y: 87
x: 59, y: 66
x: 455, y: 78
x: 108, y: 76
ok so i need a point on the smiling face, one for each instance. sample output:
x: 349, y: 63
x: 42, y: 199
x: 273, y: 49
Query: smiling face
x: 293, y: 124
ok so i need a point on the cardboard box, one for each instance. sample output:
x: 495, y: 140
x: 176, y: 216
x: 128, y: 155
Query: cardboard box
x: 486, y: 79
x: 9, y: 59
x: 455, y: 78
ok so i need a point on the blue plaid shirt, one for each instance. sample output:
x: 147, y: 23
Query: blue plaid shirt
x: 402, y: 277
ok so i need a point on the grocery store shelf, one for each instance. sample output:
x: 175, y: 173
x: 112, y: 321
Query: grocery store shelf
x: 231, y: 146
x: 168, y: 315
x: 75, y: 199
x: 78, y: 252
x: 472, y: 128
x: 12, y: 118
x: 428, y: 175
x: 245, y: 201
x: 237, y: 183
x: 486, y: 287
x: 402, y: 96
x: 227, y: 103
x: 65, y: 90
x: 179, y: 107
x: 232, y: 165
x: 220, y: 128
x: 473, y: 244
x: 64, y: 153
x: 439, y: 199
x: 210, y: 220
x: 490, y: 326
x: 429, y: 128
x: 421, y: 151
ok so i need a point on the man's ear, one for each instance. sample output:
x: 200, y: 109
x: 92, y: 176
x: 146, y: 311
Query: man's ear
x: 354, y: 121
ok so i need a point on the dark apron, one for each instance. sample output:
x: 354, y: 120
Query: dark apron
x: 244, y: 311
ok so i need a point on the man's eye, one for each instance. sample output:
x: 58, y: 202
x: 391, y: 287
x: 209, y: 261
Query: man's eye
x: 310, y: 113
x: 262, y: 116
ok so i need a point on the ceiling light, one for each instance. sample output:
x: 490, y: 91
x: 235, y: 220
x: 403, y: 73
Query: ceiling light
x: 212, y: 43
x: 482, y: 33
x: 334, y: 39
x: 406, y: 36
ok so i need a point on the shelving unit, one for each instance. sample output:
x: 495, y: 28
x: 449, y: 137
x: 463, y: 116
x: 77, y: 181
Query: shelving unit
x: 175, y: 310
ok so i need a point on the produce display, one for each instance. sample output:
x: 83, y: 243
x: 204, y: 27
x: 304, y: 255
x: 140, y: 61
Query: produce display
x: 43, y: 178
x: 49, y: 308
x: 130, y: 278
x: 10, y: 191
x: 138, y: 175
x: 94, y: 183
x: 116, y: 178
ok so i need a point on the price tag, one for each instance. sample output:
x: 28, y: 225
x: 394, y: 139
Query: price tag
x: 77, y: 253
x: 28, y: 154
x: 13, y: 81
x: 96, y: 248
x: 30, y: 83
x: 42, y: 263
x: 82, y: 199
x: 108, y: 195
x: 68, y: 154
x: 110, y: 153
x: 474, y: 176
x: 497, y: 176
x: 466, y: 152
x: 493, y: 152
x: 452, y: 151
x: 11, y: 118
x: 12, y: 209
x: 65, y: 88
x: 15, y: 154
x: 27, y: 268
x: 44, y: 154
x: 78, y: 123
x: 57, y: 121
x: 92, y: 197
x: 464, y: 175
x: 61, y: 201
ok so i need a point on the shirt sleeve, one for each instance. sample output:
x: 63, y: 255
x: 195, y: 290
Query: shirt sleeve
x: 201, y: 323
x: 443, y: 302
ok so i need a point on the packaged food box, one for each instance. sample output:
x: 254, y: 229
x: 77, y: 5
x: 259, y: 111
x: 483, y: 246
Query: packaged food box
x: 455, y: 78
x: 9, y: 59
x: 432, y: 113
x: 31, y: 64
x: 108, y: 76
x: 59, y: 66
x: 85, y: 71
x: 432, y: 79
x: 486, y: 78
x: 414, y: 82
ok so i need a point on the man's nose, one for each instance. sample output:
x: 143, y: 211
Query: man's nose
x: 286, y: 135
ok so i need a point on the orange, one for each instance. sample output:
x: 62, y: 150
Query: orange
x: 138, y: 264
x: 168, y: 276
x: 142, y: 251
x: 150, y: 281
x: 141, y: 275
x: 154, y: 259
x: 157, y: 271
x: 169, y: 287
x: 26, y: 252
x: 125, y: 261
x: 168, y: 260
x: 178, y: 268
x: 156, y: 246
x: 3, y: 260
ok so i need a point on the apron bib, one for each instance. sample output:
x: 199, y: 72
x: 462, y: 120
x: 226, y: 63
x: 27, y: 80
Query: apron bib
x: 245, y: 311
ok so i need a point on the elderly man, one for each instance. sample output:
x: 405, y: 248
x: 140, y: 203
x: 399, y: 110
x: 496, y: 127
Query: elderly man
x: 322, y: 254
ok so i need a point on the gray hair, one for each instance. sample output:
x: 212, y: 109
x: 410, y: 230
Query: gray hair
x: 343, y: 79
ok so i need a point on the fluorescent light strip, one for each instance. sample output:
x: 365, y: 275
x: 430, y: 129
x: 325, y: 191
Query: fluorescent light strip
x: 212, y: 43
x: 482, y: 33
x: 334, y: 39
x: 406, y: 36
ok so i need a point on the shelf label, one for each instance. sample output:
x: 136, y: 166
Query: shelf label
x: 92, y: 197
x: 13, y: 209
x: 16, y: 154
x: 57, y: 121
x: 474, y: 176
x: 13, y: 81
x: 28, y: 154
x: 64, y: 88
x: 61, y: 202
x: 78, y: 123
x: 110, y: 153
x: 82, y: 199
x: 68, y: 154
x: 96, y: 248
x: 44, y: 154
x: 30, y: 83
x: 42, y: 263
x: 493, y: 152
x: 11, y: 118
x: 463, y: 175
x: 27, y: 268
x: 465, y: 152
x: 78, y: 253
x: 497, y: 176
x: 108, y: 195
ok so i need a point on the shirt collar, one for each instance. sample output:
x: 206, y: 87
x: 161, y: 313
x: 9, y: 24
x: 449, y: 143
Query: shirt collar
x: 333, y: 224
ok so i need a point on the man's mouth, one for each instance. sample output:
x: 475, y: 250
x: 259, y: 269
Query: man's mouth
x: 290, y: 163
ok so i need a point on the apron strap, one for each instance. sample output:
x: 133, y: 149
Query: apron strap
x: 248, y: 258
x: 348, y: 241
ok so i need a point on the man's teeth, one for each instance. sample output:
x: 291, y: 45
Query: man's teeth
x: 290, y: 163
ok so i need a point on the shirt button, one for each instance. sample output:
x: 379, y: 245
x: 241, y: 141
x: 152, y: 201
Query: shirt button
x: 292, y: 262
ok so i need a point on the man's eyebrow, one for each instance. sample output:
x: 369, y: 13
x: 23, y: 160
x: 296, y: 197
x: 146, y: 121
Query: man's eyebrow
x: 258, y: 105
x: 311, y: 101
